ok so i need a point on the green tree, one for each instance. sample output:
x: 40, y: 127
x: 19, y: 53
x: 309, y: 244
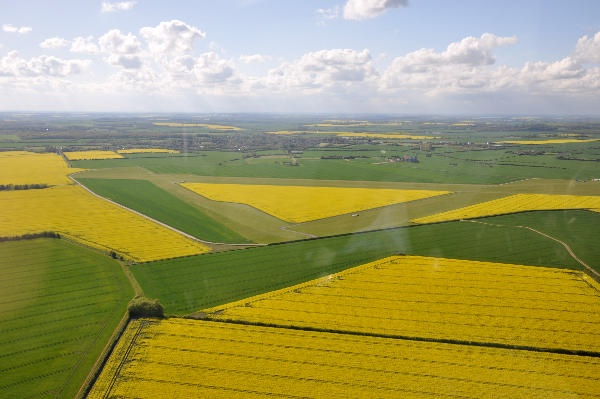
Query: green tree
x: 145, y: 307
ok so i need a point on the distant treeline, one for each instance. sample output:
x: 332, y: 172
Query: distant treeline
x: 11, y: 187
x: 31, y: 236
x: 343, y: 156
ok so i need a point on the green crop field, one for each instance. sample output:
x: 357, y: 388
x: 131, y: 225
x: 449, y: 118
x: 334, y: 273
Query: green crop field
x: 579, y: 229
x: 59, y: 304
x: 147, y: 198
x: 444, y: 166
x: 189, y: 284
x: 263, y: 228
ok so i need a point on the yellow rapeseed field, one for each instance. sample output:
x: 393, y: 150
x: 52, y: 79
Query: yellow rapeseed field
x: 21, y: 167
x: 551, y: 141
x: 299, y: 204
x: 412, y: 296
x: 75, y: 213
x: 81, y: 155
x: 147, y: 150
x: 206, y: 125
x: 180, y: 358
x: 516, y: 203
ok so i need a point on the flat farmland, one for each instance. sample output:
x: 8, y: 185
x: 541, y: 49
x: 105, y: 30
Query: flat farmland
x: 298, y: 204
x: 69, y: 210
x: 213, y: 279
x: 442, y: 167
x: 59, y: 304
x: 516, y: 203
x: 439, y: 299
x: 22, y: 167
x: 462, y: 195
x: 149, y: 199
x: 552, y: 141
x: 190, y: 358
x: 72, y: 211
x: 262, y: 228
x: 367, y: 135
x: 147, y: 151
x: 578, y: 229
x: 201, y: 125
x: 492, y: 306
x: 79, y: 155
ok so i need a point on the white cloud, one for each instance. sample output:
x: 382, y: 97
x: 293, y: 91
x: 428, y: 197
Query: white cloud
x: 14, y: 65
x: 558, y: 77
x: 123, y: 50
x: 144, y: 81
x: 254, y: 58
x: 587, y: 49
x: 108, y: 6
x: 210, y: 68
x: 160, y: 63
x: 333, y: 69
x: 458, y: 66
x: 183, y: 76
x: 54, y: 42
x: 21, y: 30
x: 475, y: 51
x: 171, y: 37
x: 466, y: 72
x: 206, y: 69
x: 567, y: 68
x: 85, y: 45
x: 181, y: 67
x: 364, y: 9
x: 116, y: 42
x: 125, y: 61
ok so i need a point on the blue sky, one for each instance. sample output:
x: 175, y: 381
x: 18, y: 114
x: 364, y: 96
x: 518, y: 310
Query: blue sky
x: 392, y: 56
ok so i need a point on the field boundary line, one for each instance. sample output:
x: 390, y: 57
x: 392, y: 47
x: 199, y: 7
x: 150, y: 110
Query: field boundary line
x: 161, y: 223
x: 567, y: 247
x: 498, y: 345
x: 96, y: 369
x: 564, y: 244
x: 137, y: 288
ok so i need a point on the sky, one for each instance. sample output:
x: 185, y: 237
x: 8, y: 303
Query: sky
x: 462, y: 57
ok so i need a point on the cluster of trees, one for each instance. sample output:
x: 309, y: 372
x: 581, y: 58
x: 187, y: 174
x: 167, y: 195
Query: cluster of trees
x: 10, y: 187
x: 31, y: 236
x: 141, y: 306
x: 115, y: 255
